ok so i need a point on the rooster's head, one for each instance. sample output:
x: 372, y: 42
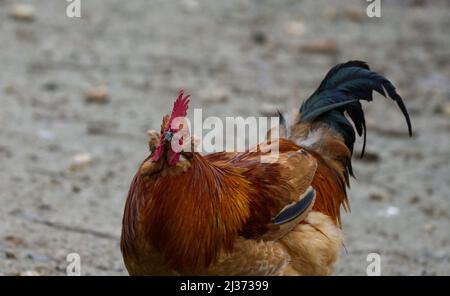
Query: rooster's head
x: 171, y: 140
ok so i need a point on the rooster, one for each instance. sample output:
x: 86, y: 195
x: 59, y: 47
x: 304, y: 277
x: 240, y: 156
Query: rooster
x: 230, y: 213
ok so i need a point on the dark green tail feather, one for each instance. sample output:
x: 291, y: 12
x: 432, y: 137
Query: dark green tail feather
x: 341, y: 91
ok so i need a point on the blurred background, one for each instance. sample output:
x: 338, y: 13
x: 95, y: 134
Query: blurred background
x: 78, y: 94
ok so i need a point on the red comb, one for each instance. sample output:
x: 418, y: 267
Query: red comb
x: 180, y: 106
x: 179, y: 110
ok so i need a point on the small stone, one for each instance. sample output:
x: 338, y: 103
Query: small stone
x: 295, y: 28
x: 259, y: 37
x: 418, y: 3
x: 100, y: 127
x: 46, y: 135
x: 428, y: 210
x: 23, y: 12
x: 389, y: 211
x: 415, y: 199
x: 28, y: 273
x: 10, y: 89
x: 380, y: 197
x: 51, y: 86
x: 444, y: 109
x: 103, y: 267
x: 321, y: 46
x: 97, y: 95
x: 14, y: 240
x: 6, y: 152
x: 392, y: 211
x: 355, y: 15
x: 80, y: 160
x: 38, y: 258
x: 214, y: 95
x: 45, y: 207
x: 10, y: 255
x: 369, y: 157
x: 329, y: 13
x: 76, y: 189
x: 429, y: 227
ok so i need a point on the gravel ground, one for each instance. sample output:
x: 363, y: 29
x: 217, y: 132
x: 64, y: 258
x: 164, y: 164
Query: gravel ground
x: 66, y: 163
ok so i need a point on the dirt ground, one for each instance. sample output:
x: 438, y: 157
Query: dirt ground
x: 237, y: 58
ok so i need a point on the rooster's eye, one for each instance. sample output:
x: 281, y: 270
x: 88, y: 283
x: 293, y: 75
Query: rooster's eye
x: 168, y: 136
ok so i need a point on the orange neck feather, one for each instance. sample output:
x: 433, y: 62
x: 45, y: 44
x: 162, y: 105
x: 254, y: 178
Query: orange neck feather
x: 191, y: 217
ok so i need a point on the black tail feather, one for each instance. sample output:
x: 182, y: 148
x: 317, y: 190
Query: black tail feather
x: 342, y: 89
